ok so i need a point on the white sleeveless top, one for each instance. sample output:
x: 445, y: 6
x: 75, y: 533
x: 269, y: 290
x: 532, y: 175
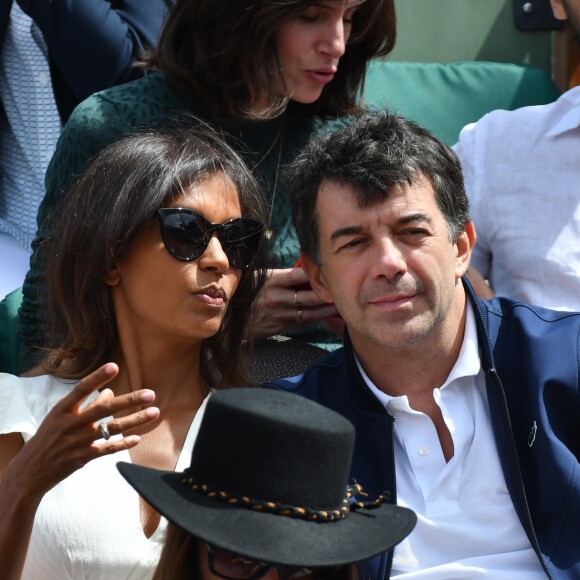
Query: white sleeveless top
x: 88, y: 526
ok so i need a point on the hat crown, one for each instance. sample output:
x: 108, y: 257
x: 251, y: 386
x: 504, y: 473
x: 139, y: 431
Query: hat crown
x: 272, y: 446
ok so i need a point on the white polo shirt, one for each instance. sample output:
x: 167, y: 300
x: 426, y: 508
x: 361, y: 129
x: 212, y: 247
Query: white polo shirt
x: 467, y: 526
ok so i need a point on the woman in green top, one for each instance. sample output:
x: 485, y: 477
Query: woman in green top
x: 269, y: 75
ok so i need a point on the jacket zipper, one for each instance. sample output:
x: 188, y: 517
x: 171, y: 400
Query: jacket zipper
x: 528, y: 525
x: 391, y: 554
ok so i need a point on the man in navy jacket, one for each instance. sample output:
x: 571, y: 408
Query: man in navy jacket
x: 466, y: 411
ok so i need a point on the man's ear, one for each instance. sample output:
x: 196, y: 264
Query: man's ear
x: 314, y: 273
x: 464, y: 244
x: 558, y: 10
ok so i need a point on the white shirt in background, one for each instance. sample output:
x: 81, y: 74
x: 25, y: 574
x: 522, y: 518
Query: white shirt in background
x: 522, y: 176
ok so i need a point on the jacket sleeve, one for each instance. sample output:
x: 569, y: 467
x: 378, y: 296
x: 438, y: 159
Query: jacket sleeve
x: 94, y: 43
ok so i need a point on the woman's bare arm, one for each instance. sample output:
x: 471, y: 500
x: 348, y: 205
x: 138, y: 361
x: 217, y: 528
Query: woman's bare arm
x: 64, y: 442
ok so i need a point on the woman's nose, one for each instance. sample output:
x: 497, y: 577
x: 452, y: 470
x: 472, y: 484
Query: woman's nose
x: 214, y: 256
x: 334, y: 42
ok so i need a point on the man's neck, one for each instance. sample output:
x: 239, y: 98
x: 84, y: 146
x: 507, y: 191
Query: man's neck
x: 416, y: 370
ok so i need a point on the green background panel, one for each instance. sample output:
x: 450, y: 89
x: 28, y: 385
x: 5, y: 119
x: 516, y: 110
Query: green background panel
x: 461, y: 30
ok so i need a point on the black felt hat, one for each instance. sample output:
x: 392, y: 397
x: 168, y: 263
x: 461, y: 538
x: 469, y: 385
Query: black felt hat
x: 268, y: 477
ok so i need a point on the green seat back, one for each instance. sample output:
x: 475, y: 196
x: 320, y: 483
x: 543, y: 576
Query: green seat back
x: 446, y: 97
x: 9, y: 344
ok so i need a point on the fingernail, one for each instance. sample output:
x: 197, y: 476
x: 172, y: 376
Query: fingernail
x: 148, y: 396
x: 109, y: 370
x: 152, y: 412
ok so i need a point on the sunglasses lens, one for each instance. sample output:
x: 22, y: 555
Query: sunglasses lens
x: 183, y: 235
x: 234, y: 567
x: 241, y: 239
x: 186, y: 235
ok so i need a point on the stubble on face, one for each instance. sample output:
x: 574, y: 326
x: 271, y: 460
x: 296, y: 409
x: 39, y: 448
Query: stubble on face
x: 399, y: 330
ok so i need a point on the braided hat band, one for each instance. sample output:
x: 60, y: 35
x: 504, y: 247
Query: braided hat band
x: 323, y: 516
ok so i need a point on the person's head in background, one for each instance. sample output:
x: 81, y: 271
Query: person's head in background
x: 267, y: 495
x: 248, y: 58
x: 568, y: 10
x: 120, y: 270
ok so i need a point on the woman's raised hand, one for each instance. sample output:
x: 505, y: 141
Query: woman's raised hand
x: 70, y: 435
x: 286, y: 302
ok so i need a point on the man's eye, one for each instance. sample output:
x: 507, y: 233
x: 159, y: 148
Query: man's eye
x: 414, y: 233
x: 352, y: 243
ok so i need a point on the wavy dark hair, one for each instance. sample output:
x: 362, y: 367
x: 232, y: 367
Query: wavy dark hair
x: 109, y: 207
x: 221, y: 51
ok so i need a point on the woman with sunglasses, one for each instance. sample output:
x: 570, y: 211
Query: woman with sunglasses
x: 269, y: 75
x: 266, y: 495
x: 154, y: 267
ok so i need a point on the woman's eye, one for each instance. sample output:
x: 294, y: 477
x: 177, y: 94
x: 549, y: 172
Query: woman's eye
x: 310, y: 16
x: 348, y: 16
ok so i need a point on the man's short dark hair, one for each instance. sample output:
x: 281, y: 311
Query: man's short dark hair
x: 374, y: 154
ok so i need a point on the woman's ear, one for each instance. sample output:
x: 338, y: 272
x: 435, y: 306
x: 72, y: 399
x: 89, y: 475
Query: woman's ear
x: 113, y: 276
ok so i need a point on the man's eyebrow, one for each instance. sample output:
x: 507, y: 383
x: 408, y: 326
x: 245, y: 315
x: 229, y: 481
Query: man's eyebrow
x: 345, y: 231
x: 403, y: 220
x: 414, y: 217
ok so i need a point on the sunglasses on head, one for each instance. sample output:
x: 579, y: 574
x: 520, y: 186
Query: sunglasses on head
x: 230, y: 566
x: 186, y: 235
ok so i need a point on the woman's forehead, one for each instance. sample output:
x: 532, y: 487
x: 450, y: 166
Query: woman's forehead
x: 215, y: 196
x: 346, y: 3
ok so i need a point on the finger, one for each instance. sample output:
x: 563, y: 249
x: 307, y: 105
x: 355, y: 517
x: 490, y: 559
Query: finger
x: 115, y: 445
x: 97, y: 379
x: 286, y: 277
x: 311, y: 315
x: 106, y: 407
x: 307, y: 298
x: 120, y: 425
x: 105, y: 394
x: 299, y: 277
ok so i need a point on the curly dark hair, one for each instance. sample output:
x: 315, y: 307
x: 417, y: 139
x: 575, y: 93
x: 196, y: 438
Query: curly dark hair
x: 378, y: 151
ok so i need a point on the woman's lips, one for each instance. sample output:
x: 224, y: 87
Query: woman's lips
x: 212, y: 296
x: 322, y: 76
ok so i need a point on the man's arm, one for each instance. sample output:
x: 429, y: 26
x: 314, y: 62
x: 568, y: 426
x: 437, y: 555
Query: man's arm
x: 470, y: 149
x: 94, y: 44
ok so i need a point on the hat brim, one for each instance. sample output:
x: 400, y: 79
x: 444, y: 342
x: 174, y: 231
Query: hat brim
x: 269, y: 537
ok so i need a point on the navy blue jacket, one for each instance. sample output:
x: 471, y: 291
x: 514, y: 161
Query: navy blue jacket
x: 530, y: 357
x: 91, y: 44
